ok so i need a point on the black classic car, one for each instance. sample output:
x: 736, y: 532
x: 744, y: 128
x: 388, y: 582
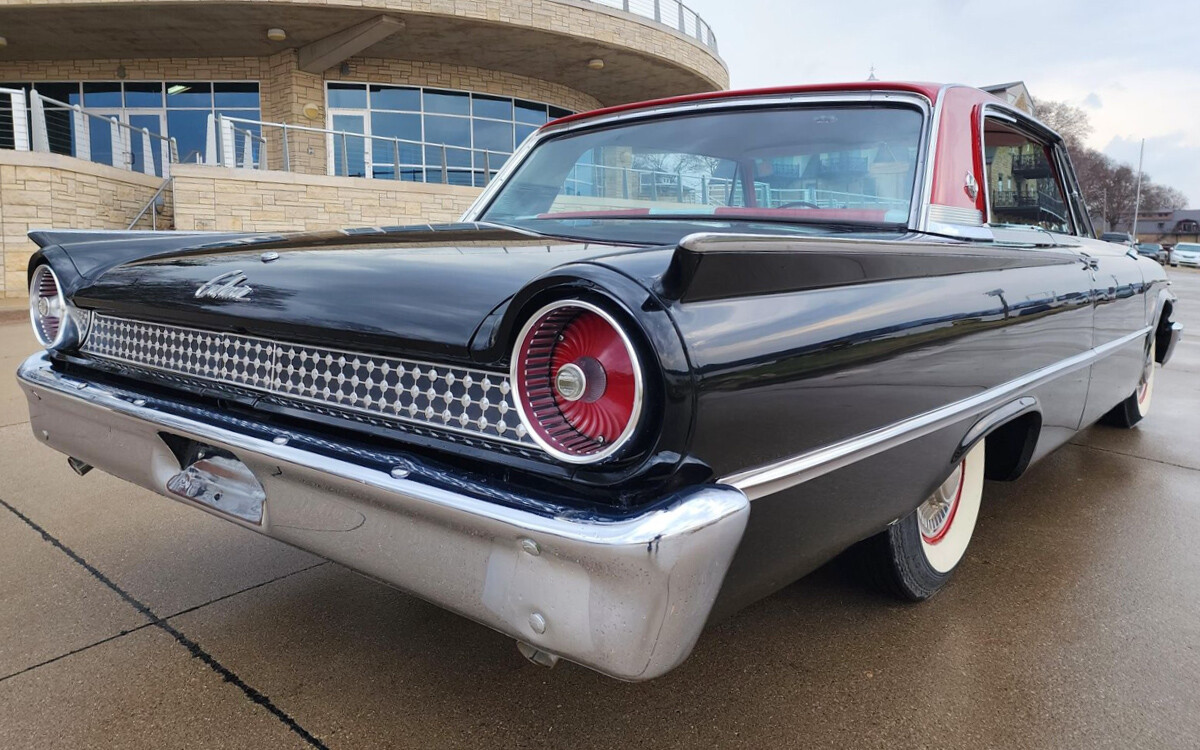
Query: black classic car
x: 676, y: 356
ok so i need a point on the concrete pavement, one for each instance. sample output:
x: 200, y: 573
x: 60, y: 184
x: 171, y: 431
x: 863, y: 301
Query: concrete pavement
x: 128, y: 620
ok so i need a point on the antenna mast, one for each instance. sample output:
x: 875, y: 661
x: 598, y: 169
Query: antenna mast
x: 1137, y: 201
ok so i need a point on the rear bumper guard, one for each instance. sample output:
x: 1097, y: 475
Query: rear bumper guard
x: 626, y: 596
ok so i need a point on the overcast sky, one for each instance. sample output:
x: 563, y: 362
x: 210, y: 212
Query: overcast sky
x: 1134, y: 66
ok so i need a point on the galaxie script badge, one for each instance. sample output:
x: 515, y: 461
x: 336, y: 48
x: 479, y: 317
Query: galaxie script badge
x: 229, y: 285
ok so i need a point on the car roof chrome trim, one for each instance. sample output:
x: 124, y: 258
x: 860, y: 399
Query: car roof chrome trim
x: 935, y: 126
x: 781, y: 475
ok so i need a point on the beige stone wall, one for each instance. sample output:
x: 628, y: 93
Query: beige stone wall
x: 42, y: 191
x: 178, y: 68
x: 213, y: 198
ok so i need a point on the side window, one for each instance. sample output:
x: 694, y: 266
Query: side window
x: 1024, y: 186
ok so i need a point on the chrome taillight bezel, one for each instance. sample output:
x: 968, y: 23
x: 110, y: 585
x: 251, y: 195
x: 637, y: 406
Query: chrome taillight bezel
x: 73, y: 323
x: 523, y: 405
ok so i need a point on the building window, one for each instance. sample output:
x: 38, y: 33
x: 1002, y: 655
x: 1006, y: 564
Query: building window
x: 427, y: 135
x: 174, y: 109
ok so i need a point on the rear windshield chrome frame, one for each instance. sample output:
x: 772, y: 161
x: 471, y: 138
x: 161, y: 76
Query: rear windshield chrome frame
x: 922, y: 167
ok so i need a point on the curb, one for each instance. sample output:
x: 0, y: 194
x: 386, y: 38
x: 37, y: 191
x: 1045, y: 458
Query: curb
x: 13, y: 314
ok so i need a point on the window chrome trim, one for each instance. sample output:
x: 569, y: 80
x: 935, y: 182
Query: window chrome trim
x: 1035, y: 128
x: 789, y: 472
x: 923, y: 165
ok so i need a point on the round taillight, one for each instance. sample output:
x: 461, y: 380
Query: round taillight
x: 578, y: 381
x: 47, y: 307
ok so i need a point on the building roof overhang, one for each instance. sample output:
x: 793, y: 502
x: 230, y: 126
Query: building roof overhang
x: 642, y: 59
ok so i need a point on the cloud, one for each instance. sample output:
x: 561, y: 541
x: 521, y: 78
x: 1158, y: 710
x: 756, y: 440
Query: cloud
x: 1170, y: 160
x: 1092, y: 101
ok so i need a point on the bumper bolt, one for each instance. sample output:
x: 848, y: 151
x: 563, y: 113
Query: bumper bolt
x: 399, y: 472
x: 531, y: 547
x: 280, y: 440
x: 140, y: 402
x: 537, y: 622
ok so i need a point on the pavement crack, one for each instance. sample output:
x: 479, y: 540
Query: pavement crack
x: 1135, y: 456
x: 165, y: 618
x: 194, y: 648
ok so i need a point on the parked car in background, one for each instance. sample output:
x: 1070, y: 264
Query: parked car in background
x: 1120, y: 238
x: 1154, y: 251
x: 1186, y: 254
x: 610, y: 407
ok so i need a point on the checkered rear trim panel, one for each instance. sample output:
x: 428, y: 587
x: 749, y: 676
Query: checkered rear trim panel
x: 474, y: 402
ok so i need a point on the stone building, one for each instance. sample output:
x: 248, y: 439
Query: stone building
x: 398, y: 110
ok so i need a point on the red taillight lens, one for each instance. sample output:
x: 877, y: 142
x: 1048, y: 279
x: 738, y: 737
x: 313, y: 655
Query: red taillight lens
x: 578, y: 382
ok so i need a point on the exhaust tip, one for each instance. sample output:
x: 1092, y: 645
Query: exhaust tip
x: 77, y: 466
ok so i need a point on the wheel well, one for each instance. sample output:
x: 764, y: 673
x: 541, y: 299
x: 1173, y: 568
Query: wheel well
x: 1010, y: 447
x: 1162, y: 334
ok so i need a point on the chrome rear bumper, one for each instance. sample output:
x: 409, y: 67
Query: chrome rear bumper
x: 1174, y: 334
x: 624, y: 595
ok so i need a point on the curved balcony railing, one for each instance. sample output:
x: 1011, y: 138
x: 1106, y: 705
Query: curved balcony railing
x: 670, y: 13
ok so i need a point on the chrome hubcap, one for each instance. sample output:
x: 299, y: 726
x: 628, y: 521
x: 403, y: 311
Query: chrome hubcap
x: 935, y: 515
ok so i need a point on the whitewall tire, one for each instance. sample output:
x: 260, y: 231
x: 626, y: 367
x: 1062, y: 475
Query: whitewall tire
x: 1136, y: 407
x: 915, y: 557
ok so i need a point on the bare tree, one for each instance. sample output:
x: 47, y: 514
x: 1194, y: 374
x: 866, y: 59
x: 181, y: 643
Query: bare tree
x: 1109, y: 188
x: 1069, y: 121
x: 1162, y: 197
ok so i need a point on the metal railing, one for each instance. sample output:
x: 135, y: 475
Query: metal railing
x: 671, y: 13
x: 14, y: 125
x: 39, y: 123
x: 154, y: 206
x: 255, y: 144
x: 698, y: 188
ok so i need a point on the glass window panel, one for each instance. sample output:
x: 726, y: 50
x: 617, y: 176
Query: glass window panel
x: 531, y: 113
x: 455, y: 131
x: 523, y: 132
x: 396, y: 97
x: 396, y: 125
x: 63, y: 92
x: 406, y: 127
x: 100, y: 140
x: 463, y: 177
x: 493, y: 136
x: 455, y: 157
x: 106, y: 94
x: 494, y: 160
x: 349, y: 152
x: 495, y: 107
x: 189, y: 128
x: 385, y: 151
x: 557, y: 112
x: 347, y: 96
x: 236, y: 94
x: 447, y: 102
x: 144, y: 95
x: 189, y: 94
x: 153, y: 123
x: 245, y: 135
x: 245, y: 114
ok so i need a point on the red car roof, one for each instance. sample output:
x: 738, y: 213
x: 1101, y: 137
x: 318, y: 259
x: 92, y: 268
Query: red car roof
x: 928, y: 90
